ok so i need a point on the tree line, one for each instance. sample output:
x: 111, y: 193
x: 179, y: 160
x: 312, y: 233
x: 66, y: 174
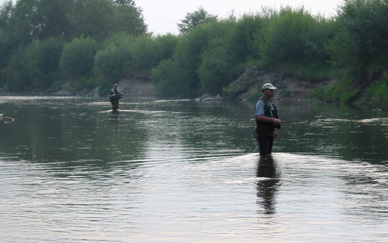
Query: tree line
x: 46, y: 44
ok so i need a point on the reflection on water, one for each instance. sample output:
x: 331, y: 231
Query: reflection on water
x: 182, y: 171
x: 267, y: 184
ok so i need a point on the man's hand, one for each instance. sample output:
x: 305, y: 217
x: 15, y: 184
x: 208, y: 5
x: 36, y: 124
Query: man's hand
x: 275, y: 134
x: 276, y: 121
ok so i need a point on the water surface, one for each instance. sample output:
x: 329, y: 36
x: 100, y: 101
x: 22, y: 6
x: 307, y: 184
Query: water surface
x: 186, y: 171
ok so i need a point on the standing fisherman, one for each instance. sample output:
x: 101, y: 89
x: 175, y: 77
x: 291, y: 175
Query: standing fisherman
x: 267, y: 120
x: 114, y: 97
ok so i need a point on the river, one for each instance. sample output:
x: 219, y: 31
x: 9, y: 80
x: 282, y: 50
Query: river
x: 187, y: 171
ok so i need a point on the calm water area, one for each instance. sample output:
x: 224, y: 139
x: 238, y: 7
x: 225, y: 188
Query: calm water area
x: 188, y: 171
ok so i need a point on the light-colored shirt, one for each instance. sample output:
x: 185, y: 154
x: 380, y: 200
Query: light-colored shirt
x: 260, y: 108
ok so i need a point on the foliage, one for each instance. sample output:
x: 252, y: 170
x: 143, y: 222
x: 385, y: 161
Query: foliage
x: 114, y: 61
x: 35, y: 66
x: 362, y: 35
x: 110, y: 63
x: 293, y: 36
x: 99, y: 18
x: 77, y: 58
x: 377, y: 94
x: 187, y: 59
x: 42, y: 19
x: 165, y: 79
x: 7, y: 35
x: 192, y: 20
x: 98, y: 42
x: 341, y: 92
x: 124, y: 54
x: 241, y: 39
x: 286, y: 93
x: 165, y: 47
x: 214, y: 69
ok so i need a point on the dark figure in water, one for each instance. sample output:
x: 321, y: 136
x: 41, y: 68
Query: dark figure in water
x: 267, y: 120
x: 114, y: 97
x: 268, y: 183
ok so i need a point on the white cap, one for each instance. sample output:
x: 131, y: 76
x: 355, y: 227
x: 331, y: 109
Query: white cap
x: 268, y: 86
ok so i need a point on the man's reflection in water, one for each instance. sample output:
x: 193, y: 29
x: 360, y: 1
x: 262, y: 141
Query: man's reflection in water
x: 115, y: 114
x: 115, y: 119
x: 268, y: 183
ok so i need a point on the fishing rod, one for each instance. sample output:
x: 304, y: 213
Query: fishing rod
x: 290, y: 121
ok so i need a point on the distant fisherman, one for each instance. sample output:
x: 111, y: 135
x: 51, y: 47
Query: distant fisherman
x: 267, y: 120
x: 114, y: 97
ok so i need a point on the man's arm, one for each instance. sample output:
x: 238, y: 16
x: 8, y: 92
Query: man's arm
x: 265, y: 119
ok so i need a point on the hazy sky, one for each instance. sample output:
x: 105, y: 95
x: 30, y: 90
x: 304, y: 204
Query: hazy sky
x: 162, y: 16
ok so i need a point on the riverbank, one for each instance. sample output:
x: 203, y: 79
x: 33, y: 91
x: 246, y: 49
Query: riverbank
x: 246, y: 87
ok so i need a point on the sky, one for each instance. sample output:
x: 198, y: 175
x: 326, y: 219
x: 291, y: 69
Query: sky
x: 162, y: 16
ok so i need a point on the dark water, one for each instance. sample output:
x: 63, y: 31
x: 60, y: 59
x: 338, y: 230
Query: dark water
x: 186, y: 171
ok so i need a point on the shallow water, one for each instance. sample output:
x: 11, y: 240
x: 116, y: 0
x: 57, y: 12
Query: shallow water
x: 183, y: 171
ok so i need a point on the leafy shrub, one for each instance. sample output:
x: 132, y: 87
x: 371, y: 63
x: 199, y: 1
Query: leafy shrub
x: 214, y: 69
x: 16, y: 73
x: 189, y: 54
x: 35, y: 66
x: 377, y: 94
x: 112, y: 63
x: 362, y: 34
x: 286, y: 93
x: 78, y: 58
x: 241, y: 39
x: 164, y: 78
x: 343, y: 92
x: 294, y: 36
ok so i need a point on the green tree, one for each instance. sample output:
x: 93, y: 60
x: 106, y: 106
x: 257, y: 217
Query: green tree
x: 35, y: 66
x: 7, y: 36
x: 214, y: 71
x: 241, y: 39
x: 78, y: 58
x: 19, y: 80
x: 192, y: 20
x: 114, y: 61
x: 165, y: 46
x: 44, y: 60
x: 164, y: 76
x: 99, y: 18
x: 286, y: 36
x: 296, y: 40
x: 124, y: 2
x: 126, y: 18
x: 362, y: 34
x: 40, y: 19
x: 181, y: 72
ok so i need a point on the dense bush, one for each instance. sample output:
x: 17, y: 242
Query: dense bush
x: 27, y: 24
x: 111, y: 64
x: 214, y: 72
x: 164, y: 78
x: 362, y: 36
x: 293, y: 36
x: 189, y: 54
x: 35, y: 66
x: 125, y: 54
x: 240, y: 41
x: 377, y: 94
x: 77, y: 58
x: 19, y: 80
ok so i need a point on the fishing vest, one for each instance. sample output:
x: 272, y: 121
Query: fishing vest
x: 117, y: 94
x: 263, y: 128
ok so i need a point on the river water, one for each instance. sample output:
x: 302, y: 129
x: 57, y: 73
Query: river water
x: 187, y: 171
